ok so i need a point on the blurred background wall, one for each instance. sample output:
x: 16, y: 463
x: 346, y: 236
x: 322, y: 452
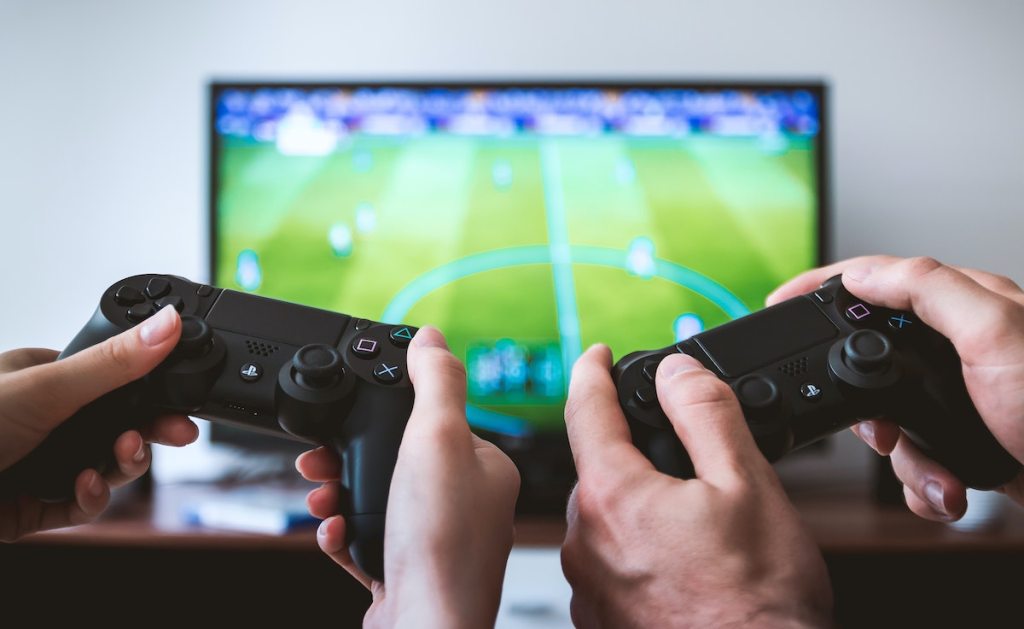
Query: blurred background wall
x: 102, y: 119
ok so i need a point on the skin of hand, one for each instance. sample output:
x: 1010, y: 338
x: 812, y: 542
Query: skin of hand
x: 982, y: 314
x: 449, y: 527
x: 644, y: 549
x: 38, y: 392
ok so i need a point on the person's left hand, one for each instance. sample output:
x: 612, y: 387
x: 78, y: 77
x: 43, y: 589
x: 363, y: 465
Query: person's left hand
x: 645, y: 549
x: 38, y: 392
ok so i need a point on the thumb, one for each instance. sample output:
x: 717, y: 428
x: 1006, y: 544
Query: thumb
x: 439, y: 380
x: 707, y: 418
x: 48, y: 394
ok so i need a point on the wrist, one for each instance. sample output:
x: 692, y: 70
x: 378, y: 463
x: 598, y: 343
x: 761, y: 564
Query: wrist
x: 431, y: 599
x: 788, y: 617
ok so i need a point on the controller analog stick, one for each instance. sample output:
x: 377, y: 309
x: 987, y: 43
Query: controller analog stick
x: 317, y: 366
x: 758, y: 395
x: 867, y: 352
x: 196, y: 336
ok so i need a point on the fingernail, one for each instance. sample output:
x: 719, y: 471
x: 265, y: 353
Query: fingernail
x: 933, y: 493
x: 156, y: 329
x: 859, y: 272
x: 95, y: 487
x: 140, y: 454
x: 321, y: 531
x: 430, y: 337
x: 676, y: 364
x: 867, y: 433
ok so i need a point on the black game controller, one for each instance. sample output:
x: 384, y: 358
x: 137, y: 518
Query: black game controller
x: 289, y: 370
x: 815, y: 364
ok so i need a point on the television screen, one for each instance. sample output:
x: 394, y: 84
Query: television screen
x: 526, y: 221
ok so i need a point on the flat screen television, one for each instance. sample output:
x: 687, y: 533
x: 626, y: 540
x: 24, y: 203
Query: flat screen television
x: 526, y: 220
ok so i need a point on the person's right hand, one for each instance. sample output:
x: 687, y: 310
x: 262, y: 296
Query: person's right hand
x: 983, y: 315
x: 644, y: 549
x: 449, y: 521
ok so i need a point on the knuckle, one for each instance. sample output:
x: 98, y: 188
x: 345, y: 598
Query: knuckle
x: 920, y: 266
x: 1006, y: 283
x: 116, y: 353
x: 694, y: 388
x: 593, y: 501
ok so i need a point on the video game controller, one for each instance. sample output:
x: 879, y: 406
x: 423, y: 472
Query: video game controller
x: 815, y: 364
x: 289, y: 370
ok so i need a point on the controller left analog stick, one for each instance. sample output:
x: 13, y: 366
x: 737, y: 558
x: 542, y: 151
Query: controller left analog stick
x: 196, y: 337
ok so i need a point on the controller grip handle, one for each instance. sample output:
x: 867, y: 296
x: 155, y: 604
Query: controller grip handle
x: 368, y: 449
x: 955, y: 436
x: 84, y: 441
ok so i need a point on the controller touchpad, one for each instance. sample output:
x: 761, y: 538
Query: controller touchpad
x: 767, y: 336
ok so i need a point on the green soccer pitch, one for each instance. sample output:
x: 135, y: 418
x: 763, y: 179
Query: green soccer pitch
x: 547, y: 241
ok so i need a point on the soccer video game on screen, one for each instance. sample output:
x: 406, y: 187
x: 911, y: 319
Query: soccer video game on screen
x: 527, y: 223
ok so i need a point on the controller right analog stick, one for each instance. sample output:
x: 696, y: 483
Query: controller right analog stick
x: 317, y: 366
x: 867, y: 352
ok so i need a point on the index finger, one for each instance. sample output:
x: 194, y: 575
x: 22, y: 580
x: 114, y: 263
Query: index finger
x: 944, y: 298
x: 811, y: 280
x: 598, y: 433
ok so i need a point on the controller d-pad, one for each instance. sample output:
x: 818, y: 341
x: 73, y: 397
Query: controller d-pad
x: 646, y: 396
x: 140, y: 312
x: 171, y: 300
x: 128, y: 296
x: 387, y: 373
x: 157, y: 287
x: 650, y: 369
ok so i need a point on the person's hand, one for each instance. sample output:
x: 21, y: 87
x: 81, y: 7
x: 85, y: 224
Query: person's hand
x: 983, y: 315
x: 449, y: 525
x: 38, y: 392
x: 645, y: 549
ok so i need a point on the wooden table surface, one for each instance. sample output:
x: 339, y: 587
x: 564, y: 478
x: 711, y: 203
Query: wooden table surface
x: 845, y: 522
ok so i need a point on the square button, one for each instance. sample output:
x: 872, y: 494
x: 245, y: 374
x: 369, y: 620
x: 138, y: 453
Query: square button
x: 366, y: 347
x: 857, y: 312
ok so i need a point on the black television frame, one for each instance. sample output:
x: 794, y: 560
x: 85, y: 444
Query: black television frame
x: 543, y: 459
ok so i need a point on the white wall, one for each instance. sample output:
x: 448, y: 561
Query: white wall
x: 102, y: 150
